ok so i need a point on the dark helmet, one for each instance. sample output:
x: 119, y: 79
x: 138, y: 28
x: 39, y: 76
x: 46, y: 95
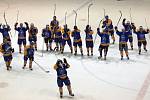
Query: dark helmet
x: 31, y: 25
x: 21, y: 24
x: 75, y: 27
x: 87, y: 26
x: 98, y: 29
x: 47, y: 26
x: 4, y: 26
x: 65, y: 26
x: 54, y: 17
x: 106, y: 17
x: 59, y: 61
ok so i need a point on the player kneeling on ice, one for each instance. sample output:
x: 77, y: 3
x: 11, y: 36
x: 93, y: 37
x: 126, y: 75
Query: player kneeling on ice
x: 21, y: 34
x: 141, y: 37
x: 47, y: 34
x: 66, y: 38
x: 29, y: 54
x: 123, y: 39
x: 77, y: 41
x: 89, y: 39
x: 7, y: 51
x: 62, y: 77
x: 105, y: 41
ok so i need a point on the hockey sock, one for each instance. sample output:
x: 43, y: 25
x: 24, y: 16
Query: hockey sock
x: 19, y: 48
x: 91, y: 51
x: 131, y: 44
x: 81, y: 51
x: 87, y: 51
x: 71, y: 49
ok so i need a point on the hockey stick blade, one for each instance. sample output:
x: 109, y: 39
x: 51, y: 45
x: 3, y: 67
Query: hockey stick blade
x: 75, y: 17
x: 41, y: 67
x: 119, y: 17
x: 47, y: 71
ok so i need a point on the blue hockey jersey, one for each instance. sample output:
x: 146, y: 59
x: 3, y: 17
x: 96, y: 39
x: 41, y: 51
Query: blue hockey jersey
x: 21, y: 32
x: 123, y: 37
x: 105, y: 40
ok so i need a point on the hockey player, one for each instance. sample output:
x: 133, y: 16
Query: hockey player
x: 5, y: 29
x: 58, y: 39
x: 123, y: 39
x: 29, y: 54
x: 89, y: 39
x: 7, y: 51
x: 21, y: 34
x: 105, y: 41
x: 77, y: 41
x: 62, y: 77
x: 47, y: 34
x: 54, y: 24
x: 66, y: 38
x: 128, y: 29
x: 33, y: 35
x: 107, y: 24
x: 141, y: 37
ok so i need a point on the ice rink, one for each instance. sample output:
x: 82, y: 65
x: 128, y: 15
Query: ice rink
x: 91, y: 79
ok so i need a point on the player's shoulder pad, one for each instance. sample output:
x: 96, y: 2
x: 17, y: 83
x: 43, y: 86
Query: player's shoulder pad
x: 91, y: 32
x: 62, y: 30
x: 68, y: 65
x: 55, y: 66
x: 78, y: 30
x: 50, y: 27
x: 1, y: 46
x: 28, y: 46
x: 109, y: 21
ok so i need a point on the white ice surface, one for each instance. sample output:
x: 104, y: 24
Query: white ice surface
x: 91, y: 79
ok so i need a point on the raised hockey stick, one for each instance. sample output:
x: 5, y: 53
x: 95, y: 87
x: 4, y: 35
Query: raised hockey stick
x: 65, y: 18
x: 6, y: 21
x: 17, y: 21
x: 98, y: 27
x: 41, y: 67
x: 85, y: 3
x: 5, y: 18
x: 104, y: 13
x: 43, y: 48
x: 89, y: 12
x: 75, y: 17
x: 130, y: 15
x: 119, y: 17
x: 100, y: 24
x: 54, y: 9
x: 146, y: 25
x: 17, y: 16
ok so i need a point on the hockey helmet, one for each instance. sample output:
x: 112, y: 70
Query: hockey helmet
x: 75, y: 27
x: 59, y: 61
x: 106, y: 17
x: 21, y: 24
